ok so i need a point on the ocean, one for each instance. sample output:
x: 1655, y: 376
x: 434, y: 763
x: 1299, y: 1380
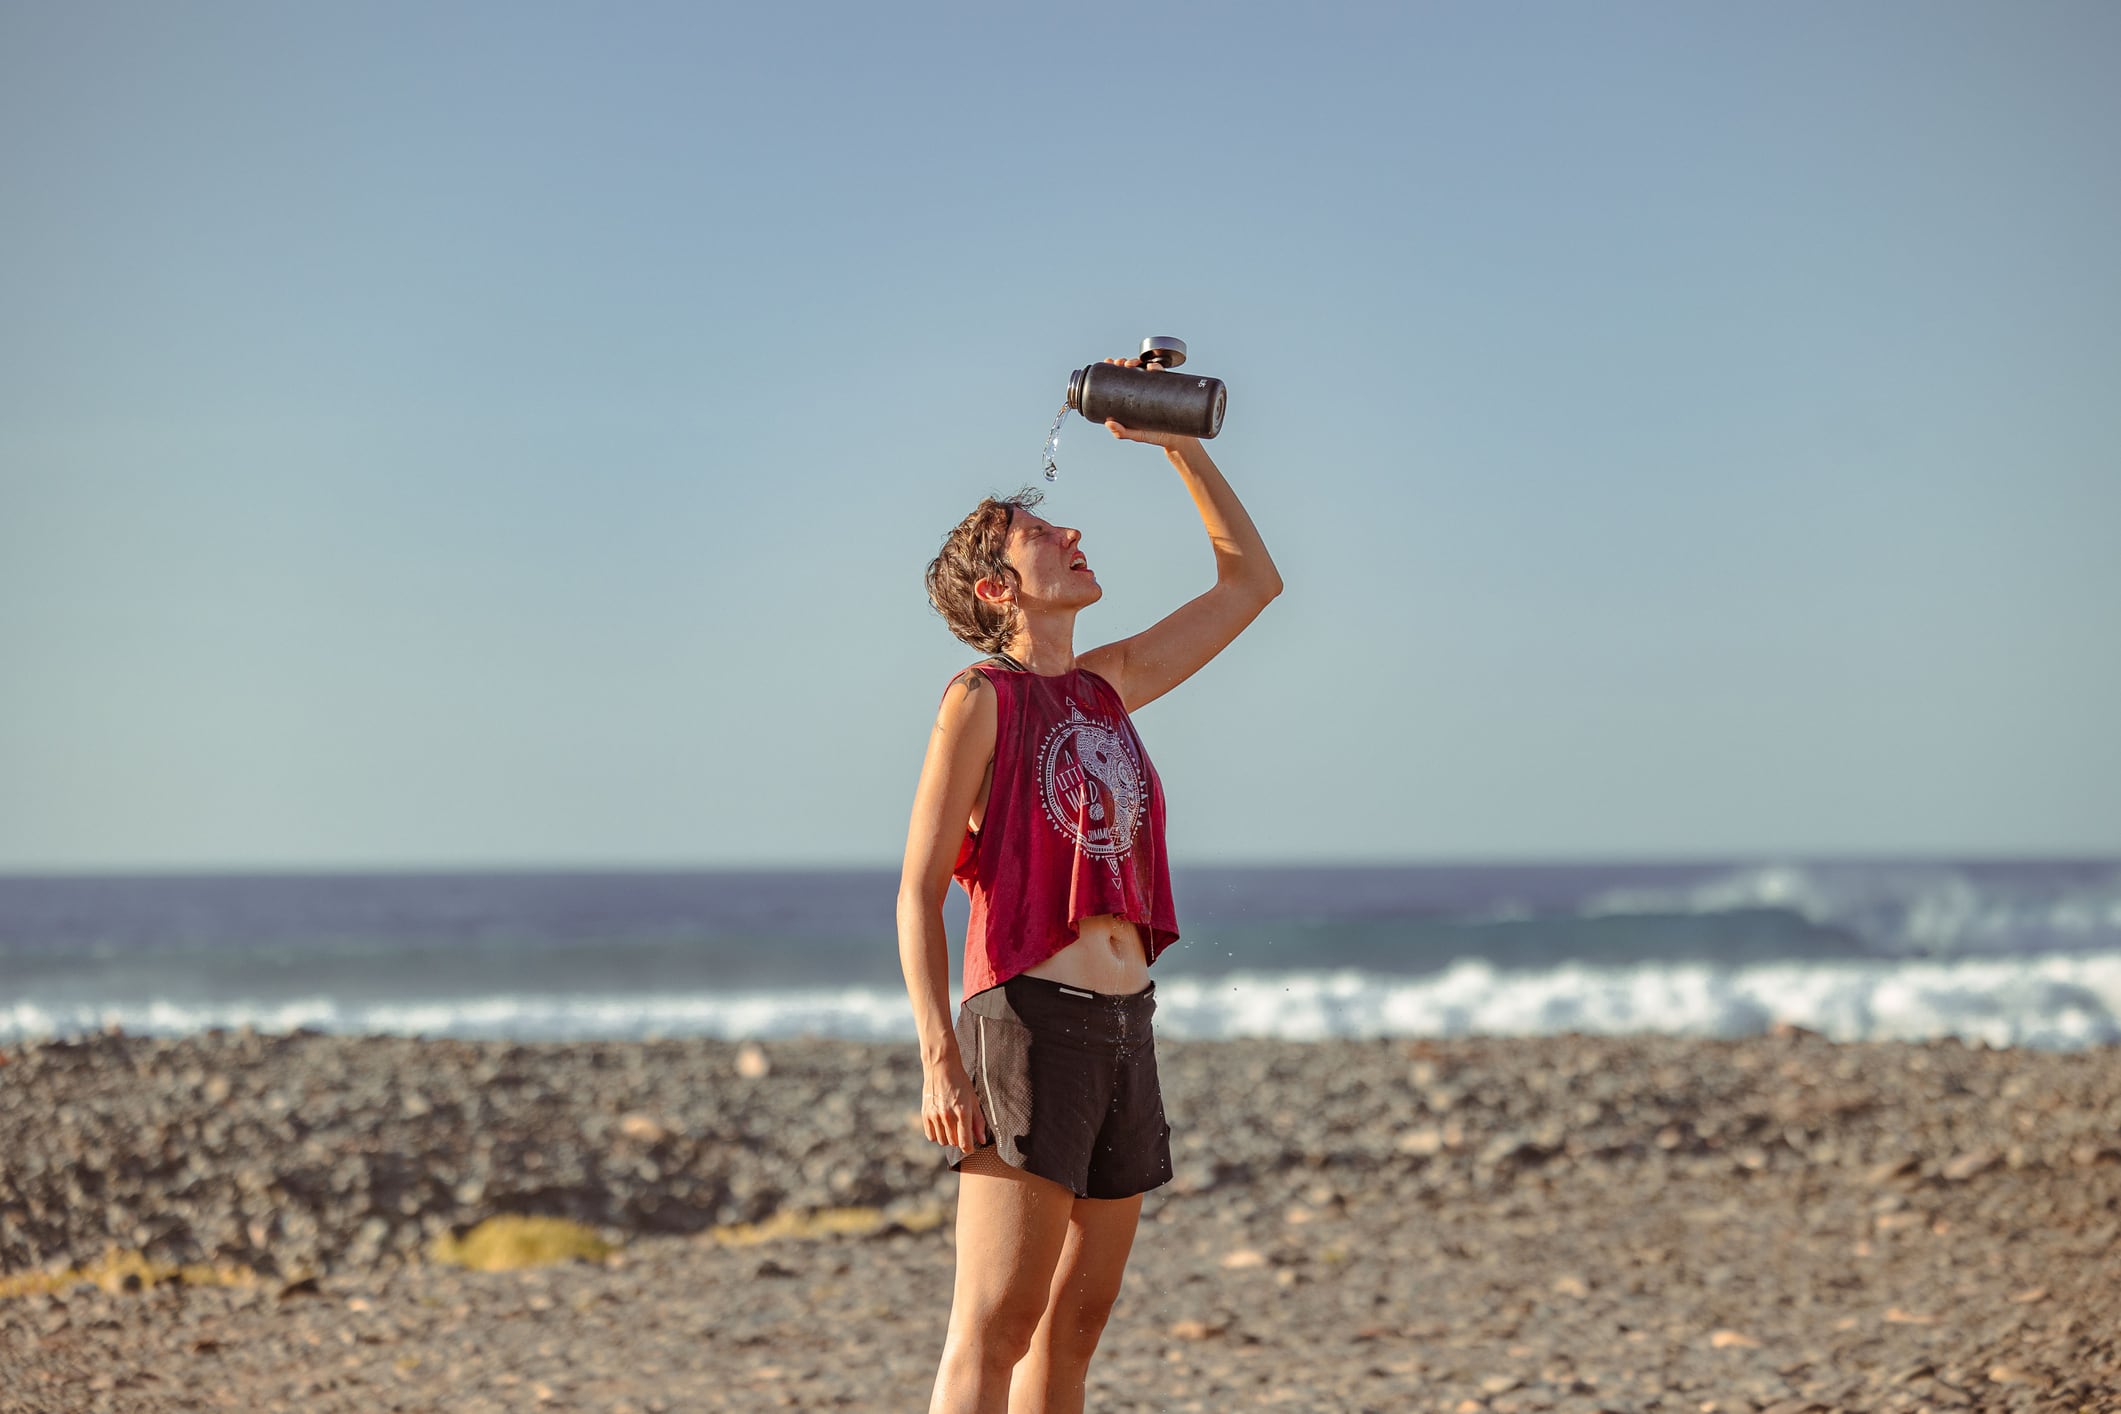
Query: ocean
x: 2017, y: 952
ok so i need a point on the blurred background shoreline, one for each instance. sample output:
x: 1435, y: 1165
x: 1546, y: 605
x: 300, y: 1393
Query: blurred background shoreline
x: 2001, y: 952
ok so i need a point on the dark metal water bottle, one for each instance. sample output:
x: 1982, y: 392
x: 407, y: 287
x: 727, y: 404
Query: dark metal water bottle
x: 1150, y: 398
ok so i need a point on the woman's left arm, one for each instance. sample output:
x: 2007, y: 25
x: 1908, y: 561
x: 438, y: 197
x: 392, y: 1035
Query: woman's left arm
x: 1165, y: 654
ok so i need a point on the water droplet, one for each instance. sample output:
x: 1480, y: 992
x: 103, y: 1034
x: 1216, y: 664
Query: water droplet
x: 1053, y: 443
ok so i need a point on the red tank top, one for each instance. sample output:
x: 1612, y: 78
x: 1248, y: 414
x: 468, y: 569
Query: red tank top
x: 1074, y: 827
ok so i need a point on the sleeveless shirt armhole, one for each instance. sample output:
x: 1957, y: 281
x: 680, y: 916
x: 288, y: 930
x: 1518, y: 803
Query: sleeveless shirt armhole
x: 968, y: 845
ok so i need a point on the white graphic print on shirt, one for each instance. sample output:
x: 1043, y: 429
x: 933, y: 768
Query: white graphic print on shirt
x: 1094, y: 788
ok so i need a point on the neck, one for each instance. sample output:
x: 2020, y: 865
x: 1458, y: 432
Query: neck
x: 1046, y: 649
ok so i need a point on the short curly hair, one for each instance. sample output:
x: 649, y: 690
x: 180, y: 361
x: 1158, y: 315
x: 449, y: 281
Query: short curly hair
x: 976, y: 549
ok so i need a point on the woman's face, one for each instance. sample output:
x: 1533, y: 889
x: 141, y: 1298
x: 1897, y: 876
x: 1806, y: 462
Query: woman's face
x: 1049, y: 563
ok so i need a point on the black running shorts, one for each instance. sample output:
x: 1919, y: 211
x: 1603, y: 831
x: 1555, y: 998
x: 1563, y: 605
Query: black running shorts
x: 1067, y: 1080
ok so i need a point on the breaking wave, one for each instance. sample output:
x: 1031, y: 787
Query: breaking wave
x: 2053, y: 1001
x: 1901, y: 908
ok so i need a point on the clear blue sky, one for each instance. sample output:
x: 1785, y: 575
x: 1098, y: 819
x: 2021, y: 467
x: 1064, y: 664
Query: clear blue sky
x: 513, y: 434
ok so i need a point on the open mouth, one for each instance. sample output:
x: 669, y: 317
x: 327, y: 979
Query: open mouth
x: 1080, y: 564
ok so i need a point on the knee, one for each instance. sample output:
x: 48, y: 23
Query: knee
x: 1000, y: 1335
x: 1076, y: 1327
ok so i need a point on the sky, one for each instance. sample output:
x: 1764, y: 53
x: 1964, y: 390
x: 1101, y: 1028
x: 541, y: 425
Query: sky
x: 511, y: 436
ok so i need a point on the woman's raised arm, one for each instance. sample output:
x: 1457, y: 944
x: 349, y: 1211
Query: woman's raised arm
x: 1165, y: 654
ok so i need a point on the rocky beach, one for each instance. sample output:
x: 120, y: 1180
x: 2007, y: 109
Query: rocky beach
x: 1569, y: 1223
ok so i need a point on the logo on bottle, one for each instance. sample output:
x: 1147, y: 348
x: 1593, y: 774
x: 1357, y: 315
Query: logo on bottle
x: 1093, y: 785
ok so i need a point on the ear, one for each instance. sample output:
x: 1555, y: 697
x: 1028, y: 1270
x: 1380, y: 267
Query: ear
x: 992, y: 591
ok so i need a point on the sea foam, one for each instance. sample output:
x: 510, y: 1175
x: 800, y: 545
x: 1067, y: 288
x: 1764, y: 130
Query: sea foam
x: 2054, y: 1001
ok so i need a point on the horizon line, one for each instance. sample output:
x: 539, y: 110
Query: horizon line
x: 1759, y: 858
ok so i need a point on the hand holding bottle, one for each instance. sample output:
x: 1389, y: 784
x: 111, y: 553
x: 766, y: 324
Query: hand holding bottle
x: 1145, y: 400
x: 1154, y: 438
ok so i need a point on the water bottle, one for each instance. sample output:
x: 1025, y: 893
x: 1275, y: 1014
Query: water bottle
x: 1146, y: 399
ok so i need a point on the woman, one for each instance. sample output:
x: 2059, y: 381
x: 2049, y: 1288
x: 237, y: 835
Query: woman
x: 1037, y: 795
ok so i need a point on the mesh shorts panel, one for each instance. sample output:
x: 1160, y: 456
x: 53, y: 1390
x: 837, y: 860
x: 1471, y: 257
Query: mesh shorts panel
x: 1002, y: 1075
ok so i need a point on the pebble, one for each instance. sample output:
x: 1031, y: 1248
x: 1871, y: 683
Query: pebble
x: 1971, y: 1165
x: 644, y: 1128
x: 751, y: 1062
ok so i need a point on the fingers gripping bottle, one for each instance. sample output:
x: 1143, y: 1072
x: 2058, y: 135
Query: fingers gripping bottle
x: 1151, y: 398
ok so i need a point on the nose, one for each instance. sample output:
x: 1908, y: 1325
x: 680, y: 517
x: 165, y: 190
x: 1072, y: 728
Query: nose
x: 1073, y: 537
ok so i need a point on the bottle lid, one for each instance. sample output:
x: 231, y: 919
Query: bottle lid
x: 1163, y: 349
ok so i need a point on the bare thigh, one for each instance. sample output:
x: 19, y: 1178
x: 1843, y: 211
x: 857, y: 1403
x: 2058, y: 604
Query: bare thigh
x: 1086, y: 1280
x: 1011, y: 1228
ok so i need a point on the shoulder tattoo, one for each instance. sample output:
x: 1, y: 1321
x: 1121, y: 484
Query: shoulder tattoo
x: 973, y: 680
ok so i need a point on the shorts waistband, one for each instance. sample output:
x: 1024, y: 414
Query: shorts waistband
x: 1116, y: 1001
x: 1041, y: 1002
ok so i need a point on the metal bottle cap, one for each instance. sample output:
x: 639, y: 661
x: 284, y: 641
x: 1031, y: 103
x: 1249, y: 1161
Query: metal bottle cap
x: 1163, y: 349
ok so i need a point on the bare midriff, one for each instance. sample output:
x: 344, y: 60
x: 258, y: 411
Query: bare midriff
x: 1106, y: 956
